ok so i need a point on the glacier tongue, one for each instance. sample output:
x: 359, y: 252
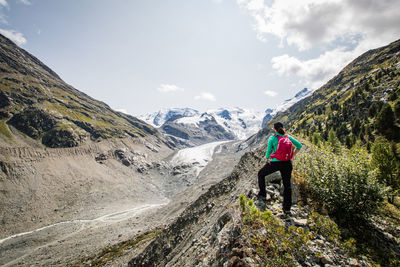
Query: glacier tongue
x: 199, y: 156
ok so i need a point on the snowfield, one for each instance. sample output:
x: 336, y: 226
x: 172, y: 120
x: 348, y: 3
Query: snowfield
x: 242, y: 123
x: 200, y: 156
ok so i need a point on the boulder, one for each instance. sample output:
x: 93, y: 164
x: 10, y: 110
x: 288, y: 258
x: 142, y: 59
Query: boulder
x: 61, y: 138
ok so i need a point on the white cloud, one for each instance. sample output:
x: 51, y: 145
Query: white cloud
x: 206, y: 96
x: 317, y: 71
x: 25, y: 2
x: 14, y: 36
x: 3, y: 3
x: 307, y: 23
x: 122, y: 110
x: 341, y: 29
x: 3, y: 18
x: 270, y: 93
x: 167, y: 88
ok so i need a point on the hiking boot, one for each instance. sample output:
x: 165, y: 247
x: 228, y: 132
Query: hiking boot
x: 261, y: 202
x: 287, y: 212
x: 285, y: 215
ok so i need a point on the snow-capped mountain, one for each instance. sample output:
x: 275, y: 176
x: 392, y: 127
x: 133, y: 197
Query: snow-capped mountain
x: 189, y: 127
x: 270, y: 113
x: 193, y: 127
x: 241, y: 122
x: 158, y: 118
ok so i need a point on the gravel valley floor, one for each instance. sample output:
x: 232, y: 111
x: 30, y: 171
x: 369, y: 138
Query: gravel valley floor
x: 71, y: 239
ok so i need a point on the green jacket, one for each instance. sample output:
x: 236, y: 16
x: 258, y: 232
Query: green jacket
x: 273, y: 144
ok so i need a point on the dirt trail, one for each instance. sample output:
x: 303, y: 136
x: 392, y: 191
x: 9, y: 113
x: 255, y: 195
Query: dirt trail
x: 45, y: 237
x: 113, y: 217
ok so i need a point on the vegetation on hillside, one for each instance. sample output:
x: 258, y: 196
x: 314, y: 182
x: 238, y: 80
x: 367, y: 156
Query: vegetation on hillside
x: 359, y: 114
x: 111, y: 253
x: 269, y: 241
x: 359, y: 105
x: 272, y: 244
x: 351, y: 186
x: 35, y: 101
x: 346, y: 183
x: 359, y: 108
x: 346, y: 196
x: 350, y: 170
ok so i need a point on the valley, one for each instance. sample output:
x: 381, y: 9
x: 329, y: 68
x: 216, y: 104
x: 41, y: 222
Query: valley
x: 71, y: 233
x: 84, y: 185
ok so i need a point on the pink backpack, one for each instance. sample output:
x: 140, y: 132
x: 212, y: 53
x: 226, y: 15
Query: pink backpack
x: 284, y: 151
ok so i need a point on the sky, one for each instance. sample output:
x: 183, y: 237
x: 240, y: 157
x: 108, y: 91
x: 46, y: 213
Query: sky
x: 140, y: 56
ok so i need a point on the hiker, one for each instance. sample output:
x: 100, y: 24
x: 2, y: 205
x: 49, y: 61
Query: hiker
x: 279, y: 160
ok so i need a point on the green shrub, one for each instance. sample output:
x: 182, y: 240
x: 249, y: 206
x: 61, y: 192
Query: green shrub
x: 274, y: 244
x: 324, y: 226
x: 316, y: 138
x: 4, y: 129
x: 397, y: 109
x: 242, y: 202
x: 388, y: 168
x: 333, y: 141
x: 348, y: 142
x: 385, y: 119
x: 345, y: 183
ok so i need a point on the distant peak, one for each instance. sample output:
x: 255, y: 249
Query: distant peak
x: 301, y: 93
x: 225, y: 114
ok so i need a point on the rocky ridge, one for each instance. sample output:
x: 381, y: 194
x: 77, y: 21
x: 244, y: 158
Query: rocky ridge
x: 211, y: 231
x: 36, y: 106
x: 175, y: 245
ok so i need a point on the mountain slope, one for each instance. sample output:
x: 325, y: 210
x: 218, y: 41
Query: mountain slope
x: 36, y: 102
x: 61, y: 203
x: 208, y: 233
x: 357, y: 93
x: 98, y: 156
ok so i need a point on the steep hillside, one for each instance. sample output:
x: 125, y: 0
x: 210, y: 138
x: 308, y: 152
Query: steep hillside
x: 63, y: 154
x: 350, y: 103
x: 270, y: 113
x: 214, y: 231
x: 76, y: 176
x: 36, y: 104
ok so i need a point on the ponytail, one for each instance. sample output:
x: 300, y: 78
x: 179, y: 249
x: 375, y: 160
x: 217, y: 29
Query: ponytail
x: 281, y: 131
x: 279, y: 128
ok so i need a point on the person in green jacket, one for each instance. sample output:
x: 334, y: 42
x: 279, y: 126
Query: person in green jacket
x: 272, y: 165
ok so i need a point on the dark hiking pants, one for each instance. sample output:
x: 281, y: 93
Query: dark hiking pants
x: 285, y: 168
